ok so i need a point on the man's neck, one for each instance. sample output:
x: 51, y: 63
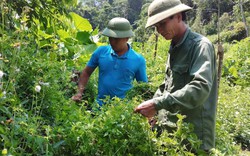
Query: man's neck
x: 122, y: 51
x: 178, y: 38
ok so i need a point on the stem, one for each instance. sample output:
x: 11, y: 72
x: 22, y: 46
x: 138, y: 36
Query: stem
x: 220, y: 52
x: 156, y: 43
x: 2, y: 16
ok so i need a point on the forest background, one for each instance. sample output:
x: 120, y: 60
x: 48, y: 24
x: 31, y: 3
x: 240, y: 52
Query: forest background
x: 43, y: 45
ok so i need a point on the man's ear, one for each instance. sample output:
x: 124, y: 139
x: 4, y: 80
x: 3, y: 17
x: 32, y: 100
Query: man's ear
x: 179, y: 17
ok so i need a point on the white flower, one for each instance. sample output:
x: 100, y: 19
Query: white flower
x: 61, y: 45
x: 17, y: 16
x: 44, y: 83
x: 37, y: 88
x: 95, y: 38
x: 4, y: 94
x: 1, y: 74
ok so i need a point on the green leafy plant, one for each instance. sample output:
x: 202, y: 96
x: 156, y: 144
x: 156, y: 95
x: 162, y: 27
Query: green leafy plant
x: 236, y: 65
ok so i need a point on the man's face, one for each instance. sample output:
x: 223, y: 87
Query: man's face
x: 167, y: 27
x: 118, y: 44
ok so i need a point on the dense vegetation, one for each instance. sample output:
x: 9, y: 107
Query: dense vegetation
x: 43, y: 43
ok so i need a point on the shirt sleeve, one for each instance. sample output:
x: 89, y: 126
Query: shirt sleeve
x: 141, y: 74
x: 94, y: 59
x: 194, y: 93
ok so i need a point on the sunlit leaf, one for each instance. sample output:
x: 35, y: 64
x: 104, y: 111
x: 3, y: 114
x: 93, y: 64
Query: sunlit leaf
x: 43, y: 34
x: 63, y: 34
x: 81, y: 23
x: 95, y: 32
x: 233, y: 71
x: 44, y: 44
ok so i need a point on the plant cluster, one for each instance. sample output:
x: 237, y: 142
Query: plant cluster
x: 237, y: 64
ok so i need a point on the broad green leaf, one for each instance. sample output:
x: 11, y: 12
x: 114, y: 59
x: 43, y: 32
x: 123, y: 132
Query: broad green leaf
x: 70, y: 40
x: 83, y: 37
x: 81, y: 23
x: 63, y: 34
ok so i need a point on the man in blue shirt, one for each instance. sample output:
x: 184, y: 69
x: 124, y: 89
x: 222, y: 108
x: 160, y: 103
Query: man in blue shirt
x: 118, y: 63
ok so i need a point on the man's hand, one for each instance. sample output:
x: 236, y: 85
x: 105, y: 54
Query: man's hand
x: 77, y: 97
x: 146, y: 108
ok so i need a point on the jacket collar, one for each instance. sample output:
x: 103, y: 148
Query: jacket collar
x: 183, y: 39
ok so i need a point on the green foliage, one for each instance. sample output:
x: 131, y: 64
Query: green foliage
x: 156, y: 59
x: 235, y: 31
x: 237, y: 11
x: 181, y: 142
x: 142, y: 90
x: 225, y: 21
x: 197, y: 24
x: 30, y: 110
x: 141, y: 33
x: 107, y: 10
x: 36, y: 67
x: 38, y: 117
x: 236, y: 65
x: 113, y: 132
x: 45, y: 11
x: 211, y: 27
x: 116, y: 130
x: 232, y: 119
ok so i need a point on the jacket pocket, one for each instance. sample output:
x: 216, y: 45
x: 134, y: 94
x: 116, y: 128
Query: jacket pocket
x: 180, y: 75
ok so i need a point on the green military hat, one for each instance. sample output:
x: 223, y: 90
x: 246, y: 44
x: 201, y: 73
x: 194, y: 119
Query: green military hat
x: 118, y: 27
x: 161, y: 9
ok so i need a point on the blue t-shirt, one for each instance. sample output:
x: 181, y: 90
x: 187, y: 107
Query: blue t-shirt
x: 116, y: 73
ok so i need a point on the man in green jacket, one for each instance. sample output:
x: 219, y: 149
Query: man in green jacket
x: 190, y: 86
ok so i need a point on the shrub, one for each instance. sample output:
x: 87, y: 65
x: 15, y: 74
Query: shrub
x: 236, y: 67
x: 235, y: 31
x: 233, y: 119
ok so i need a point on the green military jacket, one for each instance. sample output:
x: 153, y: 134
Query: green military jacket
x: 190, y: 86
